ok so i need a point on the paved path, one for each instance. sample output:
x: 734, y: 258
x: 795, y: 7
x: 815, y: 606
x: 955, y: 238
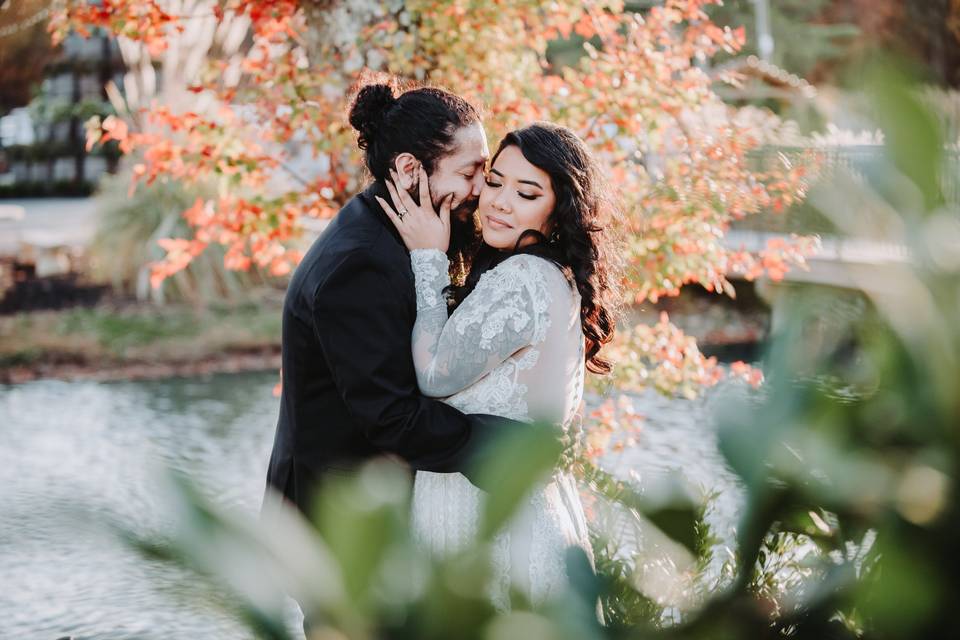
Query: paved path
x: 46, y: 222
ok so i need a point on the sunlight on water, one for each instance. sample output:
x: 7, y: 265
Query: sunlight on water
x: 76, y: 456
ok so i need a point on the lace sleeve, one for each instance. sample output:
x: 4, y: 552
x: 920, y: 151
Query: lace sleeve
x: 506, y: 312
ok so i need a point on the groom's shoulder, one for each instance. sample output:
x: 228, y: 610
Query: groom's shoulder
x: 353, y: 238
x: 353, y: 229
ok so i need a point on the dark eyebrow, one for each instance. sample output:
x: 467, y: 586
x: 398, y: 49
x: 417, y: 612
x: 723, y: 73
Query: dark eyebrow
x: 530, y: 182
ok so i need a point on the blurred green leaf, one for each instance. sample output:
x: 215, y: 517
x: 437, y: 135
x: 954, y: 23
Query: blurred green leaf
x: 259, y: 562
x: 914, y: 140
x: 668, y: 505
x: 906, y: 590
x: 514, y: 464
x: 361, y: 517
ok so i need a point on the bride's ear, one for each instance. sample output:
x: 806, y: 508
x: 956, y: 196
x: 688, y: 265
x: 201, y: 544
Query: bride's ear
x: 407, y: 168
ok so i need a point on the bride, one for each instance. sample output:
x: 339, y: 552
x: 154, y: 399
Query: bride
x: 534, y: 311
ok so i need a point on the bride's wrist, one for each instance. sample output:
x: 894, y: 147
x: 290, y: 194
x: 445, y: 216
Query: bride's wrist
x: 428, y: 251
x: 431, y: 275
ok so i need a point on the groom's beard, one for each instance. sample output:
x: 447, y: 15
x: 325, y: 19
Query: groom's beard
x: 465, y: 209
x: 465, y: 230
x: 465, y: 237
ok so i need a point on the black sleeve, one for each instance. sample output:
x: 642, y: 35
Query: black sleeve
x: 364, y: 323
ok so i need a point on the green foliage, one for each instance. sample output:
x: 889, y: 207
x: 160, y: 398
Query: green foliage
x: 118, y: 331
x: 801, y: 43
x: 513, y: 466
x: 359, y: 571
x: 126, y: 243
x: 157, y: 335
x: 856, y: 433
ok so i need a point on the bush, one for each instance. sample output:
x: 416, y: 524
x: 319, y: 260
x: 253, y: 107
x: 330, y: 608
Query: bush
x: 126, y: 243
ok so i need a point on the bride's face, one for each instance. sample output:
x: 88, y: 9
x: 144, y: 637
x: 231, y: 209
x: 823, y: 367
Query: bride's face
x: 517, y: 196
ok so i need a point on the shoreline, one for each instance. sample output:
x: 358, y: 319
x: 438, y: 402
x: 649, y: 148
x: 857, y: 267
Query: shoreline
x: 266, y: 359
x: 120, y: 340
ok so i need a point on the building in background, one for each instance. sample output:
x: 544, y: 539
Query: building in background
x: 42, y: 144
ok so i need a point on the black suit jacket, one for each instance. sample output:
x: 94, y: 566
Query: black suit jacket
x: 349, y: 386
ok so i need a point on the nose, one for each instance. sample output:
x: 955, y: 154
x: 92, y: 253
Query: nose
x: 477, y: 185
x: 499, y: 201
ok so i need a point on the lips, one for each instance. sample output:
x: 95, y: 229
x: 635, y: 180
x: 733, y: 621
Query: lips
x: 497, y: 223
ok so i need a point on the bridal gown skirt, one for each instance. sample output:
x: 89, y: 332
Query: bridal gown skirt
x: 528, y: 553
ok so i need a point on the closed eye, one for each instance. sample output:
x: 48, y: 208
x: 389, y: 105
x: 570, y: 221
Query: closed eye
x: 491, y: 183
x: 527, y: 196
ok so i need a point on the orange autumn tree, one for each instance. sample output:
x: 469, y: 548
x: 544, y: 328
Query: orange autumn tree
x: 640, y: 96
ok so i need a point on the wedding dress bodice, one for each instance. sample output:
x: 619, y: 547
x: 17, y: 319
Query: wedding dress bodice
x: 514, y: 348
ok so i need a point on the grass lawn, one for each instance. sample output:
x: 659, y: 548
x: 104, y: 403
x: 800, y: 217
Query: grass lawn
x: 115, y: 334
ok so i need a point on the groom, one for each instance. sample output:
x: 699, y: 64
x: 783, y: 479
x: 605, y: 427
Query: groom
x: 349, y: 387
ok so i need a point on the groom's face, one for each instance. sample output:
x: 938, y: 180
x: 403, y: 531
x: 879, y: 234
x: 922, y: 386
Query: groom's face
x: 460, y: 172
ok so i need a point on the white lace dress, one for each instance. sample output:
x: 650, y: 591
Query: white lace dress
x: 514, y: 348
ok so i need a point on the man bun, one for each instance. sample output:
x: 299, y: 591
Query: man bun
x: 420, y: 121
x: 369, y: 110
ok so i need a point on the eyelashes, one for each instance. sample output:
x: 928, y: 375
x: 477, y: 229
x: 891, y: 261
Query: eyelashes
x: 522, y: 195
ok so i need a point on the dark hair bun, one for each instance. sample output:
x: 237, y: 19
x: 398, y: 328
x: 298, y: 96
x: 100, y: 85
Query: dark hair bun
x: 369, y: 108
x: 420, y: 121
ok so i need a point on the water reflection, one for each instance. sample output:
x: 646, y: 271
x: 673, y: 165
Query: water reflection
x: 76, y: 456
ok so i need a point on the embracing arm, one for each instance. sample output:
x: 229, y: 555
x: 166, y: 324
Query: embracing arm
x: 503, y: 314
x: 362, y: 322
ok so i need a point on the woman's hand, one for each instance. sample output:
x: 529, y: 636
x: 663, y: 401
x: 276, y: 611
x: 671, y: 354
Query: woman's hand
x: 419, y: 226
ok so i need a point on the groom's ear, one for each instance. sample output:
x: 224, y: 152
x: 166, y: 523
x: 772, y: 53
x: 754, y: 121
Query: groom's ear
x: 408, y: 169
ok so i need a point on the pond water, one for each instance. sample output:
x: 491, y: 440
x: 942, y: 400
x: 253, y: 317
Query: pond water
x: 77, y: 455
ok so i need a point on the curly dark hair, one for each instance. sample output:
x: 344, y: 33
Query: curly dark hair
x: 421, y: 121
x: 583, y: 242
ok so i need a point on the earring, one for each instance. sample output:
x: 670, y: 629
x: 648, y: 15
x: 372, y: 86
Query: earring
x: 555, y: 236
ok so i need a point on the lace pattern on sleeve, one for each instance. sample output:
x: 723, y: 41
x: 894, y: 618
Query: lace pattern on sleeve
x: 431, y: 273
x: 507, y: 311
